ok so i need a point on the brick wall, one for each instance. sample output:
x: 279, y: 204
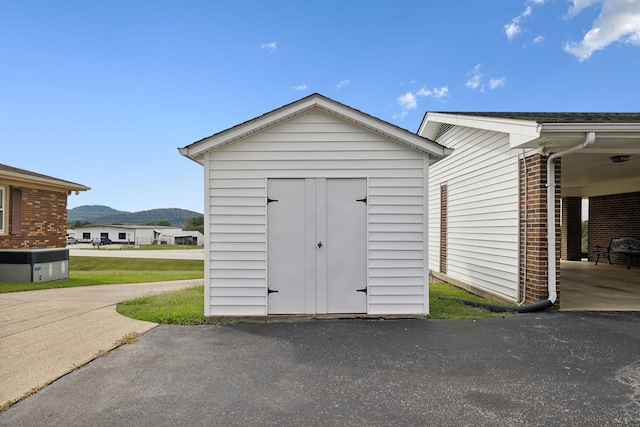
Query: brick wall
x: 43, y: 220
x: 571, y: 240
x: 443, y: 228
x: 533, y: 228
x: 613, y: 216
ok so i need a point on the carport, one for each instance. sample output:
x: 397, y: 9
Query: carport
x: 606, y: 172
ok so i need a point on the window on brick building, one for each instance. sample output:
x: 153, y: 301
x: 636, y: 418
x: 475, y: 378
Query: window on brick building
x: 3, y: 215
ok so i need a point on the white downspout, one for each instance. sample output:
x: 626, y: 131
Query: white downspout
x: 551, y: 213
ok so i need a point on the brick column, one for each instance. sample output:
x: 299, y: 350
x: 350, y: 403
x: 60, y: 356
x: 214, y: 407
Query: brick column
x: 571, y: 245
x: 533, y: 229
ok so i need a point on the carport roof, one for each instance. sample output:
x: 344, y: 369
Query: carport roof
x: 554, y: 131
x: 564, y: 117
x: 590, y: 171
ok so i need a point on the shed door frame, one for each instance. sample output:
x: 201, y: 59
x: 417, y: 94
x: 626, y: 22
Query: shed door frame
x: 305, y: 220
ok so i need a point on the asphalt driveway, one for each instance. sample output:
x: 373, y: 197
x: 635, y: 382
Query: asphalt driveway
x: 533, y: 370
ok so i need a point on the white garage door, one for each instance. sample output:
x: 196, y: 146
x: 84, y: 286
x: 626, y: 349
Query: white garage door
x: 316, y: 246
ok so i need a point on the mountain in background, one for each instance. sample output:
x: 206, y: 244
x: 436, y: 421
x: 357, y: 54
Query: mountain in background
x: 97, y: 214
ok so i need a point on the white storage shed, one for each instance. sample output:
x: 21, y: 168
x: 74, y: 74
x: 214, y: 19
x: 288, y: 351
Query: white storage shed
x: 315, y: 208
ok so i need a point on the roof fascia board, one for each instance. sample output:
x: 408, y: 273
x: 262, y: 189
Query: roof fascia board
x: 196, y: 150
x: 591, y: 127
x: 519, y: 131
x: 14, y: 178
x: 394, y: 133
x: 251, y: 127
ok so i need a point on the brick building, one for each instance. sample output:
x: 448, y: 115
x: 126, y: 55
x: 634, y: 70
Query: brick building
x: 33, y: 224
x: 515, y: 185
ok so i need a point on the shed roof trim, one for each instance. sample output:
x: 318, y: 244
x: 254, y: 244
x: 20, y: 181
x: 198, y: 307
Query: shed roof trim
x: 196, y: 150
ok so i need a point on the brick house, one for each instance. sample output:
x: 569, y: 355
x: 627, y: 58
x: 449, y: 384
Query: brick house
x: 514, y: 186
x: 33, y: 224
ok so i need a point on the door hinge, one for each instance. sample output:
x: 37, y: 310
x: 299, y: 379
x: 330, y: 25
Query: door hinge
x: 362, y: 200
x: 362, y: 290
x: 270, y: 291
x: 271, y: 200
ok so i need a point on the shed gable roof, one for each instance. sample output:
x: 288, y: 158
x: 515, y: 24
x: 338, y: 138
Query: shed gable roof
x: 196, y: 150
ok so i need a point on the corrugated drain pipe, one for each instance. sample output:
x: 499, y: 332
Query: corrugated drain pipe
x: 551, y: 240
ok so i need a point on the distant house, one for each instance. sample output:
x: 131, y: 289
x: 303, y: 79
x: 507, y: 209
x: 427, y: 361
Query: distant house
x: 315, y: 208
x: 33, y: 225
x: 505, y: 207
x: 134, y: 234
x: 189, y: 238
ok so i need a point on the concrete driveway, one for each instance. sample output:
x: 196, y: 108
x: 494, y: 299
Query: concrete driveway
x: 46, y: 334
x: 561, y: 369
x: 115, y: 251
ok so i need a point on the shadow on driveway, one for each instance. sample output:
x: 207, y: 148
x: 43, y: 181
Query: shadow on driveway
x: 533, y: 369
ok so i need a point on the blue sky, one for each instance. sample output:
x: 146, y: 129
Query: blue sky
x: 103, y: 93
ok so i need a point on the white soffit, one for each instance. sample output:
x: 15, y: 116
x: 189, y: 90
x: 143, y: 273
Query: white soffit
x: 520, y: 131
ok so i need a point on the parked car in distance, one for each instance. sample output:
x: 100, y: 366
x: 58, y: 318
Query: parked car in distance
x: 101, y: 241
x: 71, y: 240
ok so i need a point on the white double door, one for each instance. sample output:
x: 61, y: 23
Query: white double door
x: 317, y: 246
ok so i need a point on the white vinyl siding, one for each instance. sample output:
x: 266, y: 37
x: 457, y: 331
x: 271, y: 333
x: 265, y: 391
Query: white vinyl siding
x: 482, y: 231
x: 315, y: 145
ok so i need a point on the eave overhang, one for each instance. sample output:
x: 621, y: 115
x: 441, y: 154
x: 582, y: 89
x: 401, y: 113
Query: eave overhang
x: 40, y: 181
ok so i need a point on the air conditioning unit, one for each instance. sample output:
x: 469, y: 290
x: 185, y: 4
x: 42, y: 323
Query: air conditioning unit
x: 33, y: 265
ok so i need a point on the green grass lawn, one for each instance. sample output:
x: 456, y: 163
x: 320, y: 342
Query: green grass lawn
x: 186, y: 307
x: 450, y: 309
x: 183, y: 307
x: 87, y: 271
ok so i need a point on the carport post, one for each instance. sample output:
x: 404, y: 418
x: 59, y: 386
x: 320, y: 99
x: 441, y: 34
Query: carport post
x: 551, y: 213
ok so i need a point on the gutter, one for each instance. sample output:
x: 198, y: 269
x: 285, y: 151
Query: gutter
x: 551, y: 214
x: 551, y: 241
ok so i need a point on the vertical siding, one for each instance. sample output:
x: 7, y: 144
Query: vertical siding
x: 482, y: 180
x: 314, y: 145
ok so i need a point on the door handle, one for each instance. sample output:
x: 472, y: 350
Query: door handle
x: 319, y: 244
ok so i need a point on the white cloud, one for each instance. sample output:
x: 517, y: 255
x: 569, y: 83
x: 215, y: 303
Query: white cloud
x: 400, y: 116
x: 496, y: 83
x: 513, y: 28
x: 537, y: 1
x: 619, y: 20
x: 437, y: 93
x: 343, y: 83
x: 269, y: 47
x: 477, y: 80
x: 299, y: 87
x: 579, y: 5
x: 476, y: 77
x: 408, y: 101
x: 538, y: 40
